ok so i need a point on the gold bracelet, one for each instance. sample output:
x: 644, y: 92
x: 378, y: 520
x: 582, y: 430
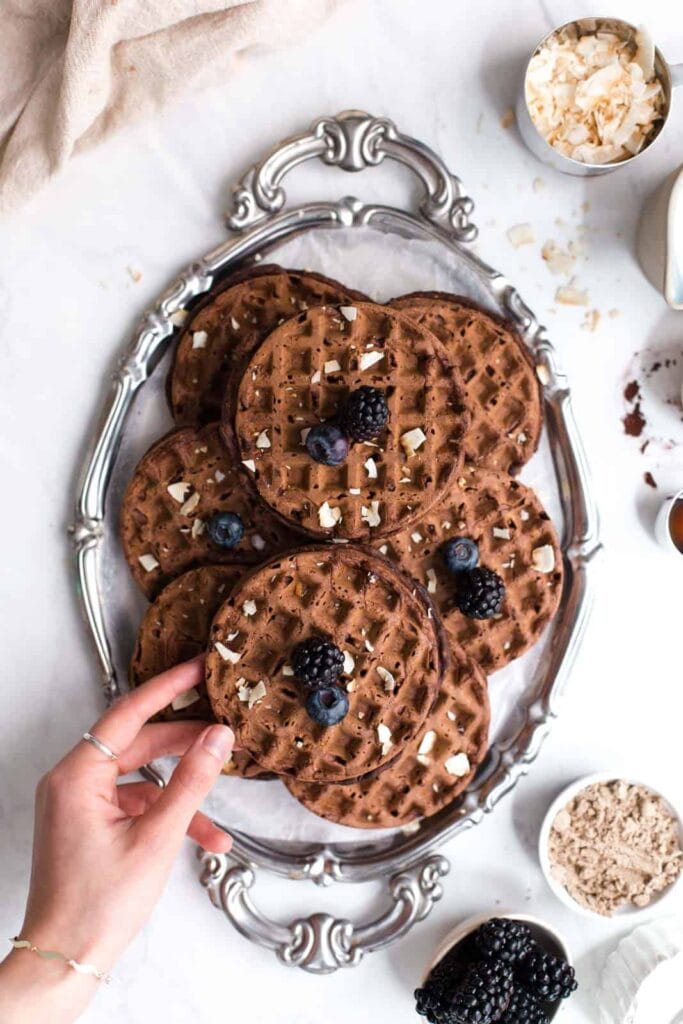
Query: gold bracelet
x: 48, y: 954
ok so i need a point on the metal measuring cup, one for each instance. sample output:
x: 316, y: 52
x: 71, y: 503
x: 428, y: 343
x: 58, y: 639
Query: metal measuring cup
x: 669, y: 75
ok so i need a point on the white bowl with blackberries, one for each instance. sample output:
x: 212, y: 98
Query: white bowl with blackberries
x: 512, y: 969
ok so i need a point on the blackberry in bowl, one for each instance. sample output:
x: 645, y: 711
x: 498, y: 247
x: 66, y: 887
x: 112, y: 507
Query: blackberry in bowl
x: 507, y: 969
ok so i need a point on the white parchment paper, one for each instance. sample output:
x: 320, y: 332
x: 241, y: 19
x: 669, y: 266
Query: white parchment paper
x: 382, y: 266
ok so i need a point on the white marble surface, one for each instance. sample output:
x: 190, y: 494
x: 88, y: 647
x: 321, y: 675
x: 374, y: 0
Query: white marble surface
x: 151, y: 200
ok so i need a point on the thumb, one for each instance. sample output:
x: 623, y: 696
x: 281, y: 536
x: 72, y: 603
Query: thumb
x: 190, y: 783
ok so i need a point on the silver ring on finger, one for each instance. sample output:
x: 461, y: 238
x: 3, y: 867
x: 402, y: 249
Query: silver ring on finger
x: 99, y: 745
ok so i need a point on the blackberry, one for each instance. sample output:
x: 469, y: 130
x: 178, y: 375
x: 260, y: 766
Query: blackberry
x: 546, y: 976
x: 483, y: 994
x: 523, y: 1008
x: 480, y: 593
x: 501, y: 938
x: 327, y: 705
x: 225, y: 529
x: 433, y: 999
x: 327, y: 444
x: 365, y: 414
x: 317, y: 662
x: 459, y: 554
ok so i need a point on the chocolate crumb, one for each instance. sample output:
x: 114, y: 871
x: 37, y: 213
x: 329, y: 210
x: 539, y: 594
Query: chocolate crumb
x: 644, y: 446
x: 649, y: 479
x: 634, y: 422
x: 632, y: 390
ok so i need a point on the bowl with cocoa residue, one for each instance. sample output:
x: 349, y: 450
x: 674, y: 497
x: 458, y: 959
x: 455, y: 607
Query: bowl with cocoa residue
x: 611, y: 846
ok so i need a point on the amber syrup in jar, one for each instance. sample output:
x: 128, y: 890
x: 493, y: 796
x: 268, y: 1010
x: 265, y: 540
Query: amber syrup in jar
x: 676, y: 523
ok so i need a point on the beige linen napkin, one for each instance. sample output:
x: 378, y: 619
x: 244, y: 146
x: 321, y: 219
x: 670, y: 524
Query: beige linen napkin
x: 73, y: 71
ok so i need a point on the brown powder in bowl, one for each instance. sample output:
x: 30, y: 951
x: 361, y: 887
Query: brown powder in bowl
x: 615, y: 844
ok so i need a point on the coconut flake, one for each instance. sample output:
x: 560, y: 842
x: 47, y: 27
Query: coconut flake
x: 385, y: 738
x: 431, y: 581
x: 249, y: 608
x: 371, y: 468
x: 198, y: 528
x: 263, y: 441
x: 521, y: 234
x: 332, y: 366
x: 570, y: 295
x: 199, y: 339
x: 595, y: 98
x: 179, y: 491
x: 329, y: 516
x: 148, y: 562
x: 226, y: 653
x: 543, y: 558
x: 559, y: 261
x: 369, y: 359
x: 387, y: 678
x: 257, y: 542
x: 412, y: 440
x: 184, y: 700
x: 287, y: 670
x: 190, y: 505
x: 457, y: 765
x: 315, y: 379
x: 250, y: 464
x: 501, y: 533
x: 427, y: 743
x: 349, y: 663
x: 371, y: 515
x: 349, y: 313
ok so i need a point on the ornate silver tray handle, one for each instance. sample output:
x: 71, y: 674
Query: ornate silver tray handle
x: 406, y: 859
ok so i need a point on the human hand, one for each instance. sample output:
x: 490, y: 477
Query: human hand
x: 103, y: 851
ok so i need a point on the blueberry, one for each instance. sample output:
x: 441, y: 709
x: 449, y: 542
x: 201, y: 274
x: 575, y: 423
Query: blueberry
x: 460, y: 554
x: 327, y: 444
x: 225, y: 529
x: 328, y: 705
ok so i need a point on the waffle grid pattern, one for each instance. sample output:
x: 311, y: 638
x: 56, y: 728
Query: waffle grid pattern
x: 366, y: 608
x: 498, y: 373
x: 175, y: 628
x: 153, y: 521
x: 484, y: 502
x: 286, y: 389
x: 235, y: 321
x: 416, y: 786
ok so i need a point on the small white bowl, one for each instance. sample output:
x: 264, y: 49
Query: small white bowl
x: 663, y: 524
x: 548, y: 938
x: 641, y: 980
x: 565, y: 797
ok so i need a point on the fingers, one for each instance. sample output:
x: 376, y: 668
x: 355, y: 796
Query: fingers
x: 159, y: 740
x: 190, y: 783
x: 119, y: 726
x: 135, y: 798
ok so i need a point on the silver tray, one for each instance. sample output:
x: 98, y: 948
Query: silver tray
x: 407, y: 861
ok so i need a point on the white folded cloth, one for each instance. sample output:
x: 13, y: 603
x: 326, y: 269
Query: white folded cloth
x: 74, y: 71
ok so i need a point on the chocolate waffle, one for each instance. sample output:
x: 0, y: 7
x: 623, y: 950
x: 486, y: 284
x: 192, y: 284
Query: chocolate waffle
x: 302, y: 374
x: 182, y: 480
x: 232, y: 322
x: 175, y: 628
x: 432, y: 770
x: 512, y: 530
x: 498, y: 372
x: 393, y: 661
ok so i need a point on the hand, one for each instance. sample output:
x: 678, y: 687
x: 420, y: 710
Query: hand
x: 102, y: 851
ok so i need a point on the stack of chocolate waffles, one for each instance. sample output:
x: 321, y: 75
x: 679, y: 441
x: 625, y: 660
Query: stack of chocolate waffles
x: 336, y: 520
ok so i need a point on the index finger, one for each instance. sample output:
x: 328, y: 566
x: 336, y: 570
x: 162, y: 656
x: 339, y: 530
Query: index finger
x: 119, y: 726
